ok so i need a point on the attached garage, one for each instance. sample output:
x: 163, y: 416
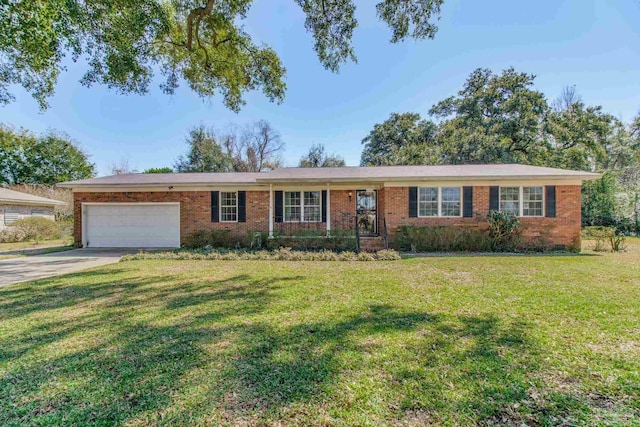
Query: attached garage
x: 131, y: 225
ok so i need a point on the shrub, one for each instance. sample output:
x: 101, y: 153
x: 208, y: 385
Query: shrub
x: 281, y: 254
x: 33, y: 228
x: 603, y: 236
x: 441, y: 239
x: 335, y: 242
x: 218, y: 239
x: 504, y: 230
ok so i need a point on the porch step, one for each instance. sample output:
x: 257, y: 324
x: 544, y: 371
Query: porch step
x: 372, y: 244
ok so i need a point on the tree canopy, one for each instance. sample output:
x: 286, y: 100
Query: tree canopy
x: 164, y: 169
x: 502, y: 118
x: 317, y: 157
x: 255, y: 148
x: 47, y: 159
x: 200, y: 42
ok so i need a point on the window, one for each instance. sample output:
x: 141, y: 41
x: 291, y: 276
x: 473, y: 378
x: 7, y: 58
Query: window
x: 228, y: 206
x: 11, y: 215
x: 312, y: 212
x: 532, y: 201
x: 38, y: 212
x: 428, y: 201
x: 435, y: 201
x: 302, y: 206
x: 451, y: 201
x: 510, y: 200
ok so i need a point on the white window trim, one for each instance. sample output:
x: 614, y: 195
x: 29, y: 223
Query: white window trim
x: 521, y: 200
x: 302, y: 205
x: 227, y: 206
x: 544, y: 204
x: 440, y: 204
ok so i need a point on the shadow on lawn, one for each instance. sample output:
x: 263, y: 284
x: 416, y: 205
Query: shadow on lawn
x: 136, y: 368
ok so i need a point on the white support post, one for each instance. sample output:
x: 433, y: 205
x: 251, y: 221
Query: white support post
x: 270, y: 210
x: 328, y: 210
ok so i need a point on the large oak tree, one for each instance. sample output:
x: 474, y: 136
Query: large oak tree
x: 200, y: 42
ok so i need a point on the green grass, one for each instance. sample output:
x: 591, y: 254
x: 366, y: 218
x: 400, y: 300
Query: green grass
x: 17, y: 249
x: 503, y: 340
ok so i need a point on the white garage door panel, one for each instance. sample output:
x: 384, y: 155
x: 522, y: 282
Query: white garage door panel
x: 132, y: 226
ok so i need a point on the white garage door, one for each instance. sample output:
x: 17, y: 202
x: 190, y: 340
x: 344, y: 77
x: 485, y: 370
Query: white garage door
x: 132, y: 225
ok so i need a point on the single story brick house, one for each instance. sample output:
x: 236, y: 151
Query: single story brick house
x: 160, y: 210
x: 16, y: 205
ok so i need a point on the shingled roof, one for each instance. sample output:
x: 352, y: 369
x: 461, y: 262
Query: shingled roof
x: 341, y: 174
x: 16, y: 197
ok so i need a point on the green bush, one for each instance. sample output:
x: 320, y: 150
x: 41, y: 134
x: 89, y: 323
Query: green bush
x: 337, y: 242
x: 504, y: 230
x: 282, y: 254
x: 603, y: 237
x: 33, y: 228
x: 221, y: 239
x: 441, y: 239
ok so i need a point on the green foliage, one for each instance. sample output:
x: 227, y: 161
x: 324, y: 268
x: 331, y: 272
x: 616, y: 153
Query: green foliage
x: 504, y: 230
x: 202, y: 43
x: 337, y: 243
x: 34, y: 228
x: 255, y: 148
x: 317, y: 157
x: 401, y: 139
x: 215, y: 239
x: 493, y: 119
x: 165, y: 169
x: 205, y: 153
x: 47, y: 159
x: 278, y: 254
x: 602, y: 236
x: 441, y: 239
x: 599, y: 205
x: 501, y: 118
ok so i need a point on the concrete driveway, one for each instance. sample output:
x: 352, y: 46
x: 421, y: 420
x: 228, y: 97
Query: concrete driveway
x: 23, y: 269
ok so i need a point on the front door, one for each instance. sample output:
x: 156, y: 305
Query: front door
x: 366, y: 212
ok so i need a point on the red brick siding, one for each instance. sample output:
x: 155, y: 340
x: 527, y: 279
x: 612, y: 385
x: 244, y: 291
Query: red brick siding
x: 564, y: 229
x: 195, y: 210
x: 393, y: 204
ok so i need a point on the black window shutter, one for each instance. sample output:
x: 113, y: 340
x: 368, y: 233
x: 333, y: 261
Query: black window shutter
x: 467, y: 202
x: 215, y: 206
x: 242, y: 206
x: 550, y: 211
x: 494, y: 198
x: 324, y: 205
x: 278, y: 206
x: 413, y: 202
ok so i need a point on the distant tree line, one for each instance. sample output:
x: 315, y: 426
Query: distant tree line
x: 501, y: 118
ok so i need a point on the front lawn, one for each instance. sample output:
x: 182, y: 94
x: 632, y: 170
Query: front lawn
x: 540, y: 340
x: 12, y: 250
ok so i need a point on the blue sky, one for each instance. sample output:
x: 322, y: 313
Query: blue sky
x: 593, y: 44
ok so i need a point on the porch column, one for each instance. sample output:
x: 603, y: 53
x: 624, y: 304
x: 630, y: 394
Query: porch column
x: 328, y: 209
x: 270, y: 210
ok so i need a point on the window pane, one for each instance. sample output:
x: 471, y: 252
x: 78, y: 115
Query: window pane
x: 451, y: 194
x: 532, y: 201
x: 428, y: 194
x: 427, y: 201
x: 510, y: 199
x: 450, y: 208
x: 428, y: 209
x: 292, y: 213
x: 312, y: 198
x: 312, y: 213
x: 292, y: 198
x: 228, y: 206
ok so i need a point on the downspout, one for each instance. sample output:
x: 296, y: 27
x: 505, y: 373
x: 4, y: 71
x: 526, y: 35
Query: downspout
x: 270, y: 210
